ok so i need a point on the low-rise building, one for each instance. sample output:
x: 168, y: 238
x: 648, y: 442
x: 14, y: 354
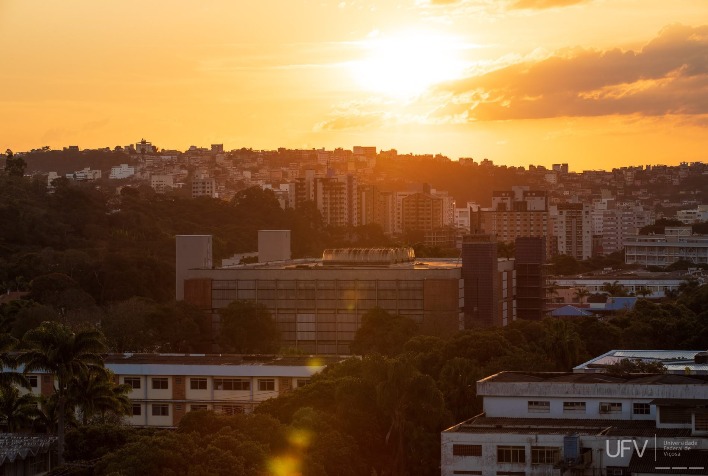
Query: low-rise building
x: 676, y: 244
x: 167, y: 386
x: 556, y: 423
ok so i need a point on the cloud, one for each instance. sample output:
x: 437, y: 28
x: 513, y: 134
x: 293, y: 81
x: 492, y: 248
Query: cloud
x: 543, y: 4
x: 668, y: 76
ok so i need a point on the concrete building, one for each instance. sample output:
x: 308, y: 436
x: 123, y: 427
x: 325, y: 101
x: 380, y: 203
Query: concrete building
x: 167, y: 386
x: 516, y: 213
x: 162, y: 182
x: 556, y: 423
x: 203, y: 187
x: 422, y: 212
x: 694, y: 215
x: 376, y: 206
x: 84, y: 175
x: 530, y: 259
x: 489, y: 284
x: 633, y: 282
x: 121, y: 171
x: 572, y: 227
x: 273, y: 245
x: 676, y: 244
x: 336, y: 199
x: 317, y: 304
x: 614, y: 223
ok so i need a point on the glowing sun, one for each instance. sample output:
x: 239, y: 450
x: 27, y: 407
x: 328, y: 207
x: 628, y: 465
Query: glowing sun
x: 408, y: 63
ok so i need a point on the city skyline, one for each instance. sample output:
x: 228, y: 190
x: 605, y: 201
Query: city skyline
x: 591, y: 83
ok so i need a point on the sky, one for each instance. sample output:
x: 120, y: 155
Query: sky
x: 593, y: 83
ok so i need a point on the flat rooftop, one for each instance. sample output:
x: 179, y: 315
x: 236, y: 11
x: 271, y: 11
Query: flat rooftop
x: 221, y: 359
x: 316, y: 264
x: 482, y: 424
x: 596, y: 378
x: 675, y: 361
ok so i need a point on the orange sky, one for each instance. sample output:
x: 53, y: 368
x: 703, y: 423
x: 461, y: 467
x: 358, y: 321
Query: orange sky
x: 595, y: 83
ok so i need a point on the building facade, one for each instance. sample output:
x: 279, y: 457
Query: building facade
x: 317, y: 305
x: 676, y: 244
x: 167, y: 386
x: 558, y: 423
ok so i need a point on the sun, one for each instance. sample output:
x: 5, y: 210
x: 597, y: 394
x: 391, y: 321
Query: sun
x: 408, y: 63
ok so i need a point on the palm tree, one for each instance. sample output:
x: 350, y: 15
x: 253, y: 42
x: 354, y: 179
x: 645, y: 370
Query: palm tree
x: 8, y: 361
x: 95, y: 393
x: 581, y: 293
x: 614, y: 289
x: 17, y: 410
x: 644, y: 292
x: 55, y: 348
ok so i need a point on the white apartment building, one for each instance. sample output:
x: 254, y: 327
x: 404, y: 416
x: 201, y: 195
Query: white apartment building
x: 84, y: 174
x: 572, y: 226
x: 616, y: 223
x: 677, y: 243
x: 121, y: 171
x: 162, y: 182
x: 555, y: 423
x: 694, y: 215
x: 167, y: 386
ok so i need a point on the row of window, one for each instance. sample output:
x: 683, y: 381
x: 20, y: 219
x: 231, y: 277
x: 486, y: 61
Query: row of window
x: 513, y: 454
x: 200, y: 383
x: 544, y: 406
x: 163, y: 409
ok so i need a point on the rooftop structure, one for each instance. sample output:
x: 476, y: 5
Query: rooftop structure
x: 685, y: 362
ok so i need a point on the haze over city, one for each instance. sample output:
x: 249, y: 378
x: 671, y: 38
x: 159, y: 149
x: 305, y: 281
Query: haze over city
x: 596, y: 83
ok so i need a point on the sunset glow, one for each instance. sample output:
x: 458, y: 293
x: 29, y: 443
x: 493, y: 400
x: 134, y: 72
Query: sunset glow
x: 503, y: 80
x: 407, y: 64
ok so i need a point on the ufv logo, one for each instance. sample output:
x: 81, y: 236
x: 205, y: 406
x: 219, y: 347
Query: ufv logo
x: 625, y: 445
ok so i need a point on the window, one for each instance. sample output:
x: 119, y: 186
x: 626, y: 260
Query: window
x: 511, y: 454
x: 610, y: 407
x: 641, y: 409
x: 197, y: 408
x: 133, y: 382
x: 301, y: 382
x: 179, y: 407
x: 231, y: 384
x: 467, y: 450
x: 160, y: 383
x: 197, y: 384
x: 539, y: 406
x: 573, y: 407
x: 231, y: 409
x: 267, y: 384
x: 160, y: 409
x: 33, y: 381
x: 137, y: 409
x: 545, y: 455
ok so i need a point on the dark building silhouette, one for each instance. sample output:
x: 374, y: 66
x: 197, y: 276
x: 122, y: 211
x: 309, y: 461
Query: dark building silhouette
x: 530, y: 256
x: 479, y: 272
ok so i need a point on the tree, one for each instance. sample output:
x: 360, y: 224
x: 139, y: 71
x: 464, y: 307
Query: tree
x: 54, y: 348
x: 625, y: 367
x: 247, y: 328
x: 644, y: 292
x: 614, y: 289
x: 14, y: 166
x: 383, y: 333
x: 581, y: 294
x: 17, y: 410
x: 96, y: 394
x: 8, y: 378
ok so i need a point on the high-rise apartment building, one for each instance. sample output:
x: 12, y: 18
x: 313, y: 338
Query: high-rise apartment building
x: 516, y: 213
x: 572, y: 227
